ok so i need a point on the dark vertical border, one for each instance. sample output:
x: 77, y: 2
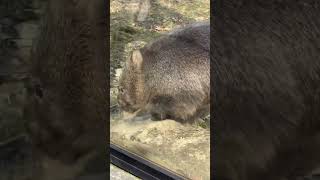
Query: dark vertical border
x: 213, y: 8
x: 100, y: 167
x: 107, y: 17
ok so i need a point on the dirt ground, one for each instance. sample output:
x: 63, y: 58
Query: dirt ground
x: 119, y: 174
x: 182, y: 148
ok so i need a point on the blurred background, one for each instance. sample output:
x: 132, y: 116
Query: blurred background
x: 19, y: 25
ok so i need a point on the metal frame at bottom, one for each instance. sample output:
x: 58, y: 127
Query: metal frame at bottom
x: 138, y: 166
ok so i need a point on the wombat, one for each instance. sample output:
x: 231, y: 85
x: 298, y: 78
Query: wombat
x: 67, y: 98
x: 266, y: 89
x: 170, y: 77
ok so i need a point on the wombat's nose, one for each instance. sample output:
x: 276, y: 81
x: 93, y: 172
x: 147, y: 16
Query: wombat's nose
x: 122, y: 103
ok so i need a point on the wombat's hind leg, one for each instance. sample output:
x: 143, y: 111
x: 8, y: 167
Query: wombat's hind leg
x: 167, y: 107
x: 161, y: 107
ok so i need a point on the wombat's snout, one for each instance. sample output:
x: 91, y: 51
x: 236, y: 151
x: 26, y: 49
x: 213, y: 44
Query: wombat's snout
x: 124, y: 104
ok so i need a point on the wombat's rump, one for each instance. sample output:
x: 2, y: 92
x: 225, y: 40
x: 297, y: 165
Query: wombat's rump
x: 170, y: 78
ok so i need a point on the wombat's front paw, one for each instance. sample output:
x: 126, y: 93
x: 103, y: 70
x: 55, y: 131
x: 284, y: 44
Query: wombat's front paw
x: 142, y: 118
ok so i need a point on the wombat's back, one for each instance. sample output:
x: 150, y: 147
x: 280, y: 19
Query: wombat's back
x: 176, y: 72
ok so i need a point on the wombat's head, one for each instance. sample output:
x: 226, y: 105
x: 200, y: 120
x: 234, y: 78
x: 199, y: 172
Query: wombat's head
x: 131, y: 85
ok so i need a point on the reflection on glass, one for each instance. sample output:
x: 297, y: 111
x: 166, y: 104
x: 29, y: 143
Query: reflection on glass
x: 164, y: 84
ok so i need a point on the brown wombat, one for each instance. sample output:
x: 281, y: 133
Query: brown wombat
x: 169, y: 78
x: 67, y: 90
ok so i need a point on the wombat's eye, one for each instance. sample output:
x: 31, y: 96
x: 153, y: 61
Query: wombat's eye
x: 121, y: 90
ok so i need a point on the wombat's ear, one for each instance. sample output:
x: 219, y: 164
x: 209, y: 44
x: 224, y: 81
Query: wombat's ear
x: 136, y: 59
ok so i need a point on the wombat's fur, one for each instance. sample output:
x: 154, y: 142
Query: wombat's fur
x: 67, y: 91
x: 266, y: 89
x: 170, y: 77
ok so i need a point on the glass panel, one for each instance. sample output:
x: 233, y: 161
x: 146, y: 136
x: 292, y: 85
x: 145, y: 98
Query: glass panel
x: 162, y: 138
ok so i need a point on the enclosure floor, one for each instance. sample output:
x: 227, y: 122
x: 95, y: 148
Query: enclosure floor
x: 117, y: 173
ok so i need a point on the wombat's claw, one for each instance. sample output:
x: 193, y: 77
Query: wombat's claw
x: 141, y: 118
